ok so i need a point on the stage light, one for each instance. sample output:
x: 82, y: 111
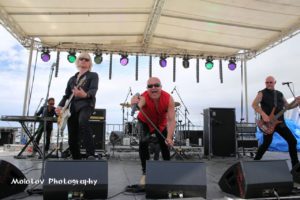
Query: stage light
x: 185, y: 62
x: 124, y: 59
x: 98, y: 57
x: 72, y: 56
x: 163, y: 61
x: 45, y: 56
x: 209, y: 62
x: 232, y: 63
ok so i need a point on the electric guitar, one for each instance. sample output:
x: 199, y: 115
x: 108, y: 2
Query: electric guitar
x: 268, y: 127
x: 65, y: 111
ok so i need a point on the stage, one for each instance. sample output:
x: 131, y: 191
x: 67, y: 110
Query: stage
x: 124, y: 169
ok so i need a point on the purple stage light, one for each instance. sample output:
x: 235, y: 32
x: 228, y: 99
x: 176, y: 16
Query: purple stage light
x: 45, y: 56
x: 232, y: 66
x: 163, y: 62
x: 124, y: 60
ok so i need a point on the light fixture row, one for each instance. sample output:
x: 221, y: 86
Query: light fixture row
x: 124, y: 60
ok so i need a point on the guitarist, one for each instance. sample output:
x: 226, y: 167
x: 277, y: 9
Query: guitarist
x: 263, y: 104
x: 81, y: 106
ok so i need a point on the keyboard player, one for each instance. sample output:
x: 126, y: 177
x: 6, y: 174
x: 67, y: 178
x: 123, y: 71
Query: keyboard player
x: 49, y: 111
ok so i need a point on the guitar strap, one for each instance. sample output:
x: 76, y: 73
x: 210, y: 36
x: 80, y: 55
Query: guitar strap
x: 275, y: 98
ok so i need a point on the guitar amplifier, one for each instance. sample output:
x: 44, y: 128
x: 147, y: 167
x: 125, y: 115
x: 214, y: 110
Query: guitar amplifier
x: 98, y: 115
x: 97, y: 124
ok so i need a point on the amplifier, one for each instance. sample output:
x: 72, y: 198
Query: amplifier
x: 98, y: 115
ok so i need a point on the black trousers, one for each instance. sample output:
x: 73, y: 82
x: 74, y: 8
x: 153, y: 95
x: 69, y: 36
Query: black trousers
x: 79, y: 129
x: 285, y: 132
x: 146, y: 139
x: 39, y: 133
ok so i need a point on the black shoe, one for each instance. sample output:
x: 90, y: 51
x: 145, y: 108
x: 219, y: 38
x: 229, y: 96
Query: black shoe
x: 92, y: 157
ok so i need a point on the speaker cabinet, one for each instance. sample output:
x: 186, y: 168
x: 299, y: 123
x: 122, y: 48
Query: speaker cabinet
x: 78, y: 179
x: 219, y: 131
x: 170, y: 179
x: 98, y: 125
x: 98, y: 129
x: 11, y: 179
x: 252, y: 179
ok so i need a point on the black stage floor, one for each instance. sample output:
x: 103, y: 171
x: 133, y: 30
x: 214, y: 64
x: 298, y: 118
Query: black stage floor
x: 124, y: 169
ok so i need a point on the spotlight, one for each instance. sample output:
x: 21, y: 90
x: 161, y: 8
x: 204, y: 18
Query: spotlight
x: 45, y: 56
x: 98, y: 57
x: 185, y: 62
x: 232, y: 63
x: 209, y: 62
x: 163, y: 61
x: 72, y: 56
x: 124, y: 59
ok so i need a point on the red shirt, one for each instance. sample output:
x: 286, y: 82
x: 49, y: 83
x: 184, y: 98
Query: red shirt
x: 157, y: 115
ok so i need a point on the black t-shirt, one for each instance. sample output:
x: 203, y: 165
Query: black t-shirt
x: 271, y: 99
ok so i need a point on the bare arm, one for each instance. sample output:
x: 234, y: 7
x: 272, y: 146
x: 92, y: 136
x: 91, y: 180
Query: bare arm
x: 171, y: 122
x: 257, y: 108
x: 293, y: 104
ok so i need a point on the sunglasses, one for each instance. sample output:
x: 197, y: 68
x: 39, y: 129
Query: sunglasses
x: 269, y: 82
x: 85, y: 59
x: 153, y: 85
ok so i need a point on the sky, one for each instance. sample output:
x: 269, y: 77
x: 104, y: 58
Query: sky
x: 281, y: 61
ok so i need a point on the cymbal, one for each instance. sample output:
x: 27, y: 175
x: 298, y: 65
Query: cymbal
x: 177, y: 104
x: 125, y: 105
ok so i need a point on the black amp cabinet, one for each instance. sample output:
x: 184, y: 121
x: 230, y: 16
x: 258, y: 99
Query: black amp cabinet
x: 219, y: 132
x: 97, y: 124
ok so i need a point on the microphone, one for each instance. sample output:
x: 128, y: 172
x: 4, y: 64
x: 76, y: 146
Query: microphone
x: 135, y: 106
x: 173, y: 90
x: 286, y: 83
x: 57, y: 63
x: 130, y: 91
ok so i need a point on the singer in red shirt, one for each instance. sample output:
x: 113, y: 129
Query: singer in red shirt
x: 159, y: 107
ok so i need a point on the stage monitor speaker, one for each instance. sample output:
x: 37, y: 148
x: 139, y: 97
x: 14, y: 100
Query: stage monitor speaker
x: 170, y: 179
x: 253, y: 179
x: 11, y: 179
x: 75, y: 179
x: 219, y: 131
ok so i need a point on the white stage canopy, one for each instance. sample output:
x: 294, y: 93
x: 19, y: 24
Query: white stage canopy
x: 197, y: 28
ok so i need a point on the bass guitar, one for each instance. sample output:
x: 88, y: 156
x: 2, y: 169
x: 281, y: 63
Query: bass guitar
x: 269, y: 127
x: 65, y: 111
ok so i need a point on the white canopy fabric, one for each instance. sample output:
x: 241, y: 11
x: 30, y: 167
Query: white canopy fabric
x: 197, y: 28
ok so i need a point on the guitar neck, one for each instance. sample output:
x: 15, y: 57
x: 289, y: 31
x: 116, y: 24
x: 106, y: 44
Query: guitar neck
x: 68, y: 102
x: 283, y: 110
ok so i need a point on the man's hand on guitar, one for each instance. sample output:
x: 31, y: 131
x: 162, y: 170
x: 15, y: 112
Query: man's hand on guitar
x: 58, y: 110
x: 265, y: 117
x: 78, y: 92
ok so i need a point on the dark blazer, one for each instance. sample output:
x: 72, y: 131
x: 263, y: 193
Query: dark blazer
x: 90, y: 86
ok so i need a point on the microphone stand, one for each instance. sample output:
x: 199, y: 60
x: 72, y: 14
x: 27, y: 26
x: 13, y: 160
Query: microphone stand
x: 288, y: 84
x: 123, y: 109
x: 40, y: 191
x: 185, y: 108
x: 45, y: 118
x: 38, y: 107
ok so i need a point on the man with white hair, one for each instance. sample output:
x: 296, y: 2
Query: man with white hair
x: 81, y: 106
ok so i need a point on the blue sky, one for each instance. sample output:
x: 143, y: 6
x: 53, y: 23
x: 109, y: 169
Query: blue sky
x: 282, y: 62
